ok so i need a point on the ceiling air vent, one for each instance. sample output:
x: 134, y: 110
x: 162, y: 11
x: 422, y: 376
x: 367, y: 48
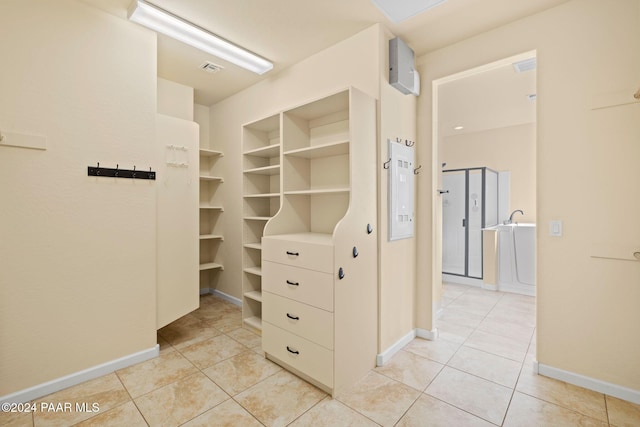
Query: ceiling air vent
x: 210, y: 67
x: 525, y: 65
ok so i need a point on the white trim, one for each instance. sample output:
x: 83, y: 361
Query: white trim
x: 385, y: 356
x: 489, y: 286
x: 461, y: 280
x: 58, y: 384
x: 610, y: 389
x: 427, y: 335
x: 226, y: 297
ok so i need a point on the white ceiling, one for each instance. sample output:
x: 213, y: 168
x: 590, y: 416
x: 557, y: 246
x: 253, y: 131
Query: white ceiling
x: 287, y: 31
x: 488, y: 100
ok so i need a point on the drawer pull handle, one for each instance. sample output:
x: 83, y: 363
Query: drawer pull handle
x: 290, y: 350
x: 292, y: 317
x: 340, y: 273
x: 293, y: 253
x: 289, y: 282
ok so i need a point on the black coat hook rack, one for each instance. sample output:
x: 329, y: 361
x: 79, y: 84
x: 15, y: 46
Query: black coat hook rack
x: 121, y: 173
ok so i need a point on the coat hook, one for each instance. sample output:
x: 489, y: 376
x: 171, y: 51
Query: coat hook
x: 385, y: 165
x: 409, y: 143
x: 416, y: 171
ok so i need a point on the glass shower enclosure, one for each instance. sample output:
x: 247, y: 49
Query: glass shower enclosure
x: 469, y: 204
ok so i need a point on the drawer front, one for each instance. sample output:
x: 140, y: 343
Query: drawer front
x: 307, y: 286
x: 311, y: 323
x: 303, y: 355
x: 300, y: 254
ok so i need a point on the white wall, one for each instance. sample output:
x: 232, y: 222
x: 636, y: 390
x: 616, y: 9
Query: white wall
x: 77, y: 253
x: 510, y: 149
x: 588, y: 57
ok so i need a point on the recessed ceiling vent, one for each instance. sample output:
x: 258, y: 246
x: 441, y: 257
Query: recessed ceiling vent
x: 210, y: 67
x: 525, y: 65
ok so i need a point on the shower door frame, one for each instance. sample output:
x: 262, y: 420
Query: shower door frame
x: 483, y: 170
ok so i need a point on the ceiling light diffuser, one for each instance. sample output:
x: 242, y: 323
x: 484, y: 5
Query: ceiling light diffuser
x: 458, y: 128
x: 161, y: 21
x: 398, y: 11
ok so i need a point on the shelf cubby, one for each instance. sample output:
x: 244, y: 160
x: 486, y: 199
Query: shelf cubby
x: 211, y: 236
x: 261, y: 165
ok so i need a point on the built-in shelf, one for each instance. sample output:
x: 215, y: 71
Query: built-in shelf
x: 261, y: 166
x: 211, y: 237
x: 262, y: 195
x: 266, y: 170
x: 254, y: 270
x: 211, y: 266
x: 322, y: 150
x: 318, y: 191
x: 213, y: 208
x: 254, y: 295
x: 257, y: 246
x: 266, y: 152
x: 254, y: 322
x: 210, y: 153
x: 211, y: 178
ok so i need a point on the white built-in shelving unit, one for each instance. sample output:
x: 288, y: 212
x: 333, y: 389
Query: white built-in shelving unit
x: 211, y: 236
x: 261, y: 201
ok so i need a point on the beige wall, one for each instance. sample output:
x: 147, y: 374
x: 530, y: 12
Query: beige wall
x: 175, y: 100
x: 510, y: 149
x: 77, y: 274
x: 588, y: 57
x: 397, y: 261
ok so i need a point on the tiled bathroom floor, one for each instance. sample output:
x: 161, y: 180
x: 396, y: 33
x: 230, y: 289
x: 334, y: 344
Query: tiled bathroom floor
x: 211, y: 372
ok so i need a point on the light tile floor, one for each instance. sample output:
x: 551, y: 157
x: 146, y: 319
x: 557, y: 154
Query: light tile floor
x: 211, y: 372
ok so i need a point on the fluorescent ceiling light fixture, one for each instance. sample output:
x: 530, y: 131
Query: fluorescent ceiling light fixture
x: 398, y: 11
x: 159, y: 20
x: 458, y: 128
x: 525, y: 65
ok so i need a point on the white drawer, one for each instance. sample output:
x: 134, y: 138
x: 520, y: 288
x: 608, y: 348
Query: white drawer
x: 307, y: 286
x: 309, y: 358
x: 306, y: 321
x: 312, y: 253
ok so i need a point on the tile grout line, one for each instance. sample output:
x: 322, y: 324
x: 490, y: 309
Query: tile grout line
x: 513, y: 389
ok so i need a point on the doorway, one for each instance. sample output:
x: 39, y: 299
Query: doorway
x: 483, y: 119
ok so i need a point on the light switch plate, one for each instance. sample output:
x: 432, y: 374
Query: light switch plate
x: 555, y: 228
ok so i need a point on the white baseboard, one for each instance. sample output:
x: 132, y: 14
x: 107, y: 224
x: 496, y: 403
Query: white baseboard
x: 461, y: 280
x: 58, y: 384
x: 226, y: 297
x: 427, y: 335
x: 385, y: 356
x: 610, y: 389
x: 489, y: 286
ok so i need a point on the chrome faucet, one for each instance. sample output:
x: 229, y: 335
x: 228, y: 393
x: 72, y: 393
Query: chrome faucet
x: 510, y: 220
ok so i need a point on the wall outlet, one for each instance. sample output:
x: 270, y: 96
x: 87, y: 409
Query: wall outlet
x: 555, y: 228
